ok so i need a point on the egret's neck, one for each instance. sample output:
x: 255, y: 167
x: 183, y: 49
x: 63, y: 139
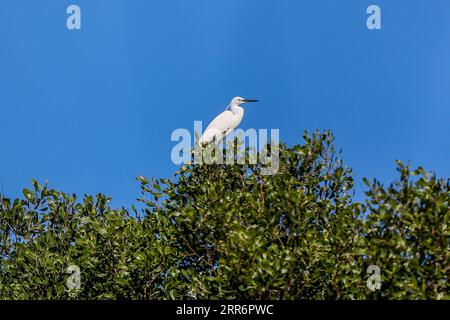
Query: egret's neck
x: 234, y: 108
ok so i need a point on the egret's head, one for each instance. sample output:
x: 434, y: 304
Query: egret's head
x: 239, y: 100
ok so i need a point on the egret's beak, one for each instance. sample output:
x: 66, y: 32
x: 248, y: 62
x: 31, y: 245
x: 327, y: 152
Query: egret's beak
x: 250, y: 100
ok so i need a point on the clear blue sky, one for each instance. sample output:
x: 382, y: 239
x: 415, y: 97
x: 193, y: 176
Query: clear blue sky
x: 90, y: 110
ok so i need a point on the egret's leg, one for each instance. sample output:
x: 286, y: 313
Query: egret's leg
x: 229, y: 131
x: 218, y: 138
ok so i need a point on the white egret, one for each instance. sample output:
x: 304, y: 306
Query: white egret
x: 224, y: 123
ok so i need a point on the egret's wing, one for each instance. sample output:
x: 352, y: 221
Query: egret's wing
x: 221, y: 122
x: 217, y: 127
x: 209, y: 136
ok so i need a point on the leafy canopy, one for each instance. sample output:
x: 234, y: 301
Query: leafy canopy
x: 229, y: 232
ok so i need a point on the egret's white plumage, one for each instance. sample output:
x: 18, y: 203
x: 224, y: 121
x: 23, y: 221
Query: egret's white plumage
x: 224, y: 123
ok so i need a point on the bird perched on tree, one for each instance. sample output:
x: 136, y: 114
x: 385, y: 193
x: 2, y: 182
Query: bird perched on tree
x: 224, y: 123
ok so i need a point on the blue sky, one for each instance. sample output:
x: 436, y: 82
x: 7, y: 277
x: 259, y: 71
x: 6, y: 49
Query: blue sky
x: 89, y: 110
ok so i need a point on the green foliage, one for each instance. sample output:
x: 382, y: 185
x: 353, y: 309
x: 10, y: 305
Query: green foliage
x: 230, y: 232
x: 407, y: 234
